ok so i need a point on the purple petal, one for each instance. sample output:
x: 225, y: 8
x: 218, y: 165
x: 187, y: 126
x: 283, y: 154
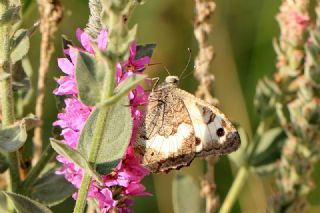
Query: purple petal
x: 78, y: 34
x: 85, y: 40
x: 66, y: 66
x: 103, y: 39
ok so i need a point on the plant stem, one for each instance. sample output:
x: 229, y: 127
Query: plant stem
x: 236, y: 188
x: 7, y: 104
x: 242, y: 176
x: 46, y: 156
x: 97, y: 136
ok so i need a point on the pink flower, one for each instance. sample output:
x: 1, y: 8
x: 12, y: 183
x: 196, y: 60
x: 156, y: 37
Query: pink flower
x: 124, y: 181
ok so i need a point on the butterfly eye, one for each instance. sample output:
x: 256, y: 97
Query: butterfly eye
x: 220, y: 132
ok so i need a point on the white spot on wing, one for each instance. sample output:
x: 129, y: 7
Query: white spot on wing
x: 172, y: 143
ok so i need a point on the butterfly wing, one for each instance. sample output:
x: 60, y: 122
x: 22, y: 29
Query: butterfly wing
x: 214, y: 133
x: 165, y: 139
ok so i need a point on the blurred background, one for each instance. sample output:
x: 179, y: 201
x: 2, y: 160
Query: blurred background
x: 242, y: 35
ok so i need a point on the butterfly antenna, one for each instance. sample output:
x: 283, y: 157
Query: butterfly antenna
x: 189, y: 59
x: 186, y: 75
x: 166, y: 69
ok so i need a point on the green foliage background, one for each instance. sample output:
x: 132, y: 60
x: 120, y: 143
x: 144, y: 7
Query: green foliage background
x: 242, y: 36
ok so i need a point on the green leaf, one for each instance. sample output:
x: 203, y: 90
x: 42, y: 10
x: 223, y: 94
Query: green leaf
x: 269, y: 147
x: 19, y: 77
x: 74, y: 156
x: 186, y: 195
x: 89, y: 75
x: 116, y: 137
x: 51, y: 189
x: 20, y: 45
x: 145, y: 50
x: 13, y: 137
x: 25, y: 205
x: 10, y: 16
x: 127, y: 85
x: 238, y: 157
x: 4, y: 164
x: 31, y: 121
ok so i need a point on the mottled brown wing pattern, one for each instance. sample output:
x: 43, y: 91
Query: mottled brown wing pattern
x: 213, y: 130
x: 165, y: 139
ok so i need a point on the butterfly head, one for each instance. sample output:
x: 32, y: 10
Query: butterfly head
x: 172, y: 79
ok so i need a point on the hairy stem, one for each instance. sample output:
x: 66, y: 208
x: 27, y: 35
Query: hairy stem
x: 51, y: 14
x: 7, y: 104
x: 97, y: 136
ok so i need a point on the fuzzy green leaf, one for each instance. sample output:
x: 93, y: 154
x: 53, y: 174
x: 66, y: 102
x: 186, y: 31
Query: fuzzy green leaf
x: 10, y: 16
x: 186, y: 195
x: 13, y: 137
x: 116, y: 137
x: 89, y: 75
x: 145, y: 50
x: 74, y: 156
x: 25, y: 205
x: 4, y: 164
x: 20, y: 45
x: 127, y: 85
x: 269, y: 147
x: 51, y: 189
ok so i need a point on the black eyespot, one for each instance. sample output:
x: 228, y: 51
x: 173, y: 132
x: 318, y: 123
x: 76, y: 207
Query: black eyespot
x: 220, y: 132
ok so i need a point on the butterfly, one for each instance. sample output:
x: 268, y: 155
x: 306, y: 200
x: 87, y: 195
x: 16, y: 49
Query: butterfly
x: 177, y: 127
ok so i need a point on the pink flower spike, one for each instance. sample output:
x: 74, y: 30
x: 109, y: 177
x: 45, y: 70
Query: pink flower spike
x: 115, y: 193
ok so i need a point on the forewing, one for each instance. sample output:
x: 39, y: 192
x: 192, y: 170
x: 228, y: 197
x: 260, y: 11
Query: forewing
x: 165, y: 139
x: 214, y: 133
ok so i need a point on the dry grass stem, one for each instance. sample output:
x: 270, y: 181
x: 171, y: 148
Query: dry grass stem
x: 203, y: 11
x: 50, y: 15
